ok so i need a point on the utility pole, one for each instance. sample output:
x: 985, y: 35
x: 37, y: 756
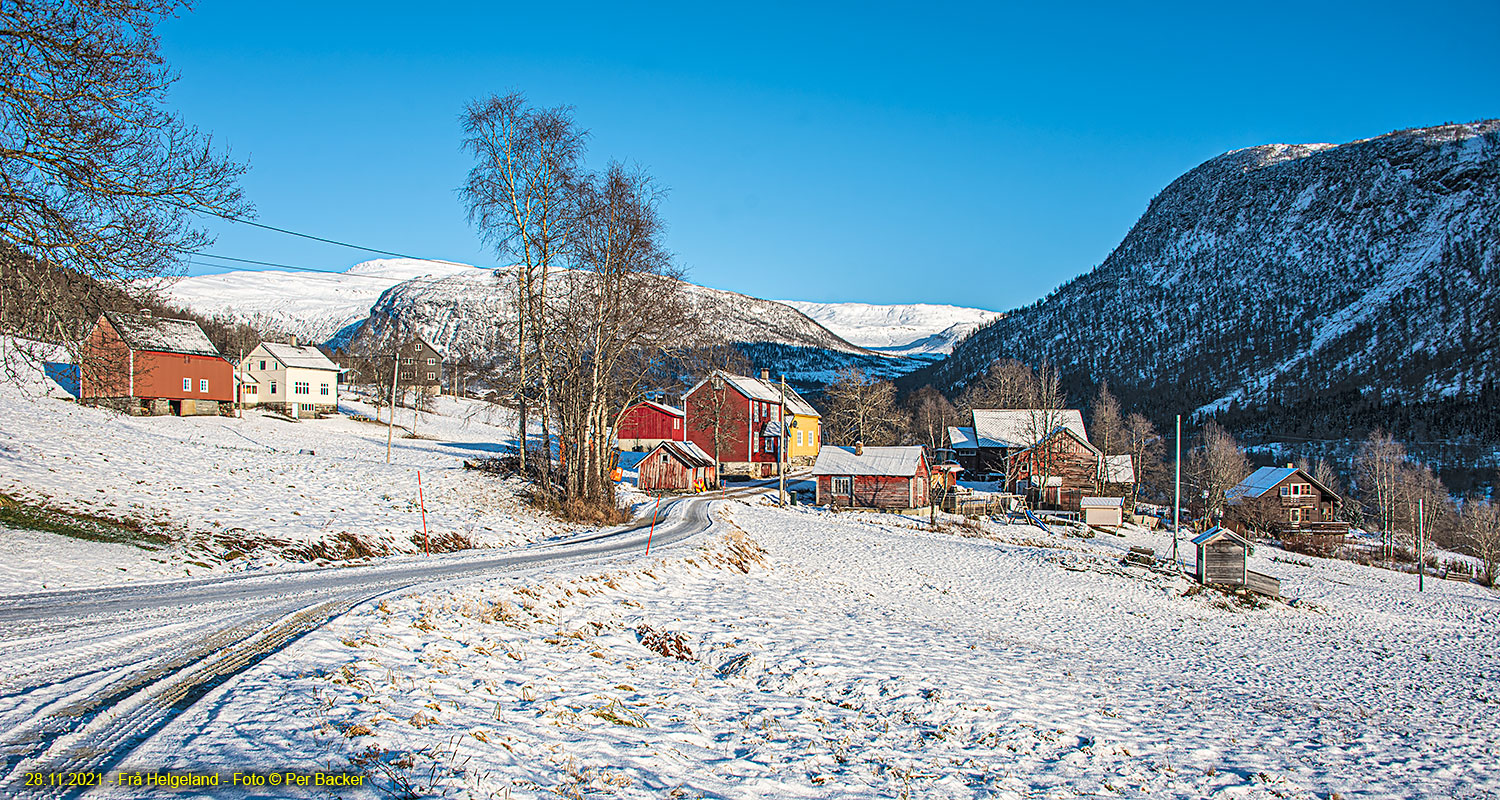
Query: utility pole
x: 1177, y: 490
x: 1421, y: 546
x: 781, y: 447
x: 390, y: 428
x: 239, y: 377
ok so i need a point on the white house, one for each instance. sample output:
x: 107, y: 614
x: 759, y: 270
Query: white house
x: 299, y: 381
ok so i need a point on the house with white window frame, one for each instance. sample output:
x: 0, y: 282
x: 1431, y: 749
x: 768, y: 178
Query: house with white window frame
x: 296, y: 381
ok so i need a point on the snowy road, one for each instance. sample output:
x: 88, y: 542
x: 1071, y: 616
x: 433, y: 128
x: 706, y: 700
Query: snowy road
x: 86, y: 676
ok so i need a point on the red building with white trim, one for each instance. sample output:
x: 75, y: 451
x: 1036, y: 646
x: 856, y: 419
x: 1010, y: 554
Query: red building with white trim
x: 648, y: 423
x: 150, y: 365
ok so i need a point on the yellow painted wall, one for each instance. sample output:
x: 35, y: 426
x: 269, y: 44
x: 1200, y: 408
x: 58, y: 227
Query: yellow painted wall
x: 809, y: 429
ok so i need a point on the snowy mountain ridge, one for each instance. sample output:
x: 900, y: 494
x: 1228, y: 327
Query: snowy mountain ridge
x: 1284, y: 274
x: 908, y: 330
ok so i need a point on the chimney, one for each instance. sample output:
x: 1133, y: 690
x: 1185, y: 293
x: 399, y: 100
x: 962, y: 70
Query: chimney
x: 1289, y: 465
x: 765, y: 375
x: 294, y: 341
x: 859, y: 448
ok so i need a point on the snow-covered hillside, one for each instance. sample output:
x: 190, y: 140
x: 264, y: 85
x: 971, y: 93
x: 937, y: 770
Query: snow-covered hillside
x: 312, y: 306
x: 908, y: 330
x: 798, y: 653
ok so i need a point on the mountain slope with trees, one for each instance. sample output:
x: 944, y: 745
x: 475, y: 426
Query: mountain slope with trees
x: 1325, y: 287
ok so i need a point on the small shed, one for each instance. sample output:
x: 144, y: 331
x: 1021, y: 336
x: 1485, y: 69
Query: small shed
x: 677, y: 467
x: 894, y: 478
x: 1104, y: 512
x: 1222, y: 561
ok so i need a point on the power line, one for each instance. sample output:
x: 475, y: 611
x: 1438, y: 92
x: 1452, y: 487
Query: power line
x: 300, y: 235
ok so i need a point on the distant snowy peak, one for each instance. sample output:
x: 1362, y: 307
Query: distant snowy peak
x: 312, y: 305
x: 914, y: 329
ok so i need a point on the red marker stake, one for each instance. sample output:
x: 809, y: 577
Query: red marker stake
x: 652, y: 532
x: 423, y: 503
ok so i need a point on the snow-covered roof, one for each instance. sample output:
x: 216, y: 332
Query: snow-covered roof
x: 160, y: 335
x: 757, y: 389
x: 301, y: 357
x: 1266, y: 478
x: 1101, y: 502
x: 1024, y: 427
x: 1119, y: 469
x: 962, y: 439
x: 1217, y: 533
x: 687, y: 452
x: 672, y: 411
x: 882, y: 461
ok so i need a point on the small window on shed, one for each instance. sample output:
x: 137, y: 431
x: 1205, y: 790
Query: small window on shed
x: 841, y: 486
x: 663, y: 458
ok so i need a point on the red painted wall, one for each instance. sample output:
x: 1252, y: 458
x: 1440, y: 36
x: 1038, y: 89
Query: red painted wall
x: 737, y: 418
x: 642, y: 421
x: 107, y: 367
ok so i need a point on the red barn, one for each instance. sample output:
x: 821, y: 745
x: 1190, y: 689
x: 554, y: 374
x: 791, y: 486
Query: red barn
x: 149, y: 365
x: 872, y: 477
x: 744, y: 415
x: 676, y: 466
x: 648, y: 424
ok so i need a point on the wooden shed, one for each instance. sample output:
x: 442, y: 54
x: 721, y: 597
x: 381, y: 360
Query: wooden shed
x: 677, y: 467
x: 893, y: 478
x: 1105, y: 512
x: 1222, y: 561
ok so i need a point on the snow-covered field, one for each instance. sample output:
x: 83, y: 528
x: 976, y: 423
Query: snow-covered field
x: 798, y: 653
x: 257, y: 491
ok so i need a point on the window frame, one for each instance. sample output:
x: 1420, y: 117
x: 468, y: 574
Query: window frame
x: 846, y: 481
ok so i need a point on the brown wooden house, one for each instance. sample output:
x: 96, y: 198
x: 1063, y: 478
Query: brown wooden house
x: 1057, y: 471
x: 1289, y: 504
x: 676, y: 467
x: 890, y: 478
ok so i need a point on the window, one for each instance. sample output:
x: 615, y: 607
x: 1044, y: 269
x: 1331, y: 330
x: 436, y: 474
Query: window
x: 663, y: 458
x: 187, y: 384
x: 799, y: 438
x: 1296, y: 490
x: 203, y: 384
x: 841, y: 486
x: 406, y: 376
x: 323, y: 389
x: 302, y: 387
x: 251, y: 389
x: 431, y: 376
x: 408, y: 361
x: 262, y: 363
x: 431, y: 361
x: 676, y: 423
x: 273, y: 387
x: 1296, y: 515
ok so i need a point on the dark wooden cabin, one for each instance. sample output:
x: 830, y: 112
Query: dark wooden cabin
x: 676, y: 467
x: 891, y: 478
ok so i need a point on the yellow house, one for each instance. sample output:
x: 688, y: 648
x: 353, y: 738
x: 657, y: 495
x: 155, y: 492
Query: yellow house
x: 805, y: 425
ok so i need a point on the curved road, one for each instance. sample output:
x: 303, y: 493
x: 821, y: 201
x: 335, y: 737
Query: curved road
x: 87, y: 676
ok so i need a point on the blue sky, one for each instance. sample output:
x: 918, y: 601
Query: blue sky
x: 976, y: 155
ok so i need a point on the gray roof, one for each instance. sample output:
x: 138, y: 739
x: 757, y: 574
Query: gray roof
x: 1101, y: 502
x: 757, y: 389
x: 303, y: 357
x: 687, y: 452
x: 1024, y: 427
x: 882, y: 461
x: 1216, y: 533
x: 1119, y: 469
x: 161, y: 335
x: 962, y: 439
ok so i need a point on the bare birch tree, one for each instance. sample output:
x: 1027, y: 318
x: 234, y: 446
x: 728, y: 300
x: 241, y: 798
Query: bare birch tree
x: 520, y: 196
x: 861, y: 408
x: 1007, y: 383
x: 98, y: 180
x: 1215, y: 466
x: 1147, y: 455
x: 929, y: 414
x: 1377, y: 468
x: 1480, y: 526
x: 1106, y: 427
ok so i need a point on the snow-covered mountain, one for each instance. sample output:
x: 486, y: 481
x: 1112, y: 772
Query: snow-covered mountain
x: 310, y: 305
x: 462, y: 309
x: 1317, y: 276
x: 908, y: 330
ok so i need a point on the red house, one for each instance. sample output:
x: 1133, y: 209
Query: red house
x: 648, y: 424
x: 742, y: 415
x: 676, y: 466
x: 150, y: 365
x: 872, y: 477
